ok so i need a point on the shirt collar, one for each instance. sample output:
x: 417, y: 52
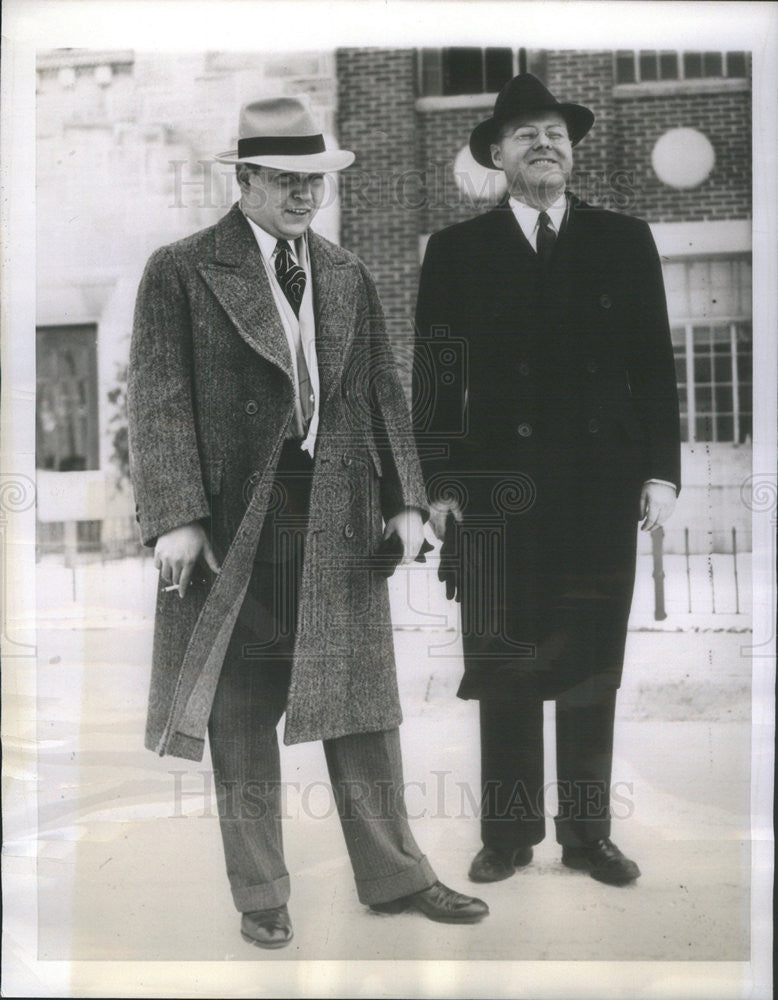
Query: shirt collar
x: 267, y: 243
x: 527, y: 217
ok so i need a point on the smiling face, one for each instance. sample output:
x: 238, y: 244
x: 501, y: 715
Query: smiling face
x: 280, y: 202
x: 536, y: 154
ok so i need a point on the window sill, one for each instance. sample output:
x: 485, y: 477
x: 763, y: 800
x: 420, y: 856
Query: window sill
x: 663, y: 88
x: 455, y: 101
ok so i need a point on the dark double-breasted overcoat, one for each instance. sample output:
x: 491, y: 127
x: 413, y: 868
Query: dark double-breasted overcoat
x: 210, y: 400
x: 543, y: 400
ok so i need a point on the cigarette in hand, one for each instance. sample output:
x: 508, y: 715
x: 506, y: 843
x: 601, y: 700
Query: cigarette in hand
x: 173, y: 586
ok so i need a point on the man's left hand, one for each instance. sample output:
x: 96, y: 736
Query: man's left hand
x: 657, y: 502
x: 409, y: 528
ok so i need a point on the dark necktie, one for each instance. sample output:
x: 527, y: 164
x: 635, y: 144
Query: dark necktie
x: 546, y: 239
x: 291, y: 277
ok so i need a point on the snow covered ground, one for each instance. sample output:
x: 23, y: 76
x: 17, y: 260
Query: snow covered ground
x: 130, y: 863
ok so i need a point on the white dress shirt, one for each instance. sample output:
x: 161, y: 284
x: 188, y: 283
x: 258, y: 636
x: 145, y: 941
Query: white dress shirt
x: 298, y: 329
x: 527, y: 217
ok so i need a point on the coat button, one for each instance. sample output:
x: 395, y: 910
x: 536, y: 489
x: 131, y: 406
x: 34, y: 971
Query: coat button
x: 593, y: 426
x: 605, y: 301
x: 348, y: 531
x: 347, y: 460
x: 524, y: 368
x: 524, y: 430
x: 251, y: 407
x: 591, y: 367
x: 254, y: 478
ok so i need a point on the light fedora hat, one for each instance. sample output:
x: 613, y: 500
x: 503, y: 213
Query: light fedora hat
x: 523, y: 94
x: 281, y: 132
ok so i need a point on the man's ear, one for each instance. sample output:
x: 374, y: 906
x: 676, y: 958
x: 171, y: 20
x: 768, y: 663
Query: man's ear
x: 496, y: 155
x: 242, y: 176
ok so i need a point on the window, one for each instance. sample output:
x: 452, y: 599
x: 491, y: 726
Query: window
x: 709, y: 302
x: 66, y: 398
x: 455, y: 71
x: 649, y: 66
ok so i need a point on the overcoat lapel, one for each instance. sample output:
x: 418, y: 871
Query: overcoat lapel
x: 508, y: 247
x: 238, y: 280
x: 335, y: 294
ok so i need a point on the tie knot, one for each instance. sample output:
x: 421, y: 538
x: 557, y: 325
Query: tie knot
x: 282, y: 246
x: 545, y: 221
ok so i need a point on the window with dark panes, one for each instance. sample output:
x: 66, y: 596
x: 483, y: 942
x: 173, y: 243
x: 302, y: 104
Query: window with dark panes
x: 463, y: 71
x: 455, y: 71
x: 498, y: 69
x: 712, y: 64
x: 648, y: 66
x: 692, y: 65
x: 668, y: 66
x: 625, y: 67
x: 66, y: 398
x: 736, y: 64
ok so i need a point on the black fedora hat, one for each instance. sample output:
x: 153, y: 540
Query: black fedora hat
x: 523, y: 94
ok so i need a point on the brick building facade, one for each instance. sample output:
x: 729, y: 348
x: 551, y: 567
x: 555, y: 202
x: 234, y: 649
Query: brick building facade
x: 125, y: 141
x: 671, y: 144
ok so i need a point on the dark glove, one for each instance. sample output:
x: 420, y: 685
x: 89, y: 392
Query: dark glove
x: 450, y: 568
x: 389, y: 553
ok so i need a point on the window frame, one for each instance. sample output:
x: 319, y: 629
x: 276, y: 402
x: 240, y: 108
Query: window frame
x: 680, y: 54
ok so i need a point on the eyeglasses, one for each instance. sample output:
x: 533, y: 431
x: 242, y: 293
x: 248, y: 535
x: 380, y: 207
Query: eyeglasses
x: 528, y: 136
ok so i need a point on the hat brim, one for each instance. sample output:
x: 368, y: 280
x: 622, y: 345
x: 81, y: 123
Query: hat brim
x: 579, y: 120
x: 311, y: 163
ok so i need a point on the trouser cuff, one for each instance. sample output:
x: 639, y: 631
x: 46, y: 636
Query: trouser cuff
x: 388, y: 887
x: 509, y: 836
x: 580, y: 834
x: 264, y: 896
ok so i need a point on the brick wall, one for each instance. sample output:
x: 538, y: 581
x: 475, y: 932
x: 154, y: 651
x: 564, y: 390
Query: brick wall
x: 441, y: 136
x: 725, y: 118
x: 378, y: 118
x: 587, y: 78
x: 380, y: 194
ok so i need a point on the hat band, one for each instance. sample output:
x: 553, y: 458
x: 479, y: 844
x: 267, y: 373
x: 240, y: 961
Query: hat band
x: 281, y: 145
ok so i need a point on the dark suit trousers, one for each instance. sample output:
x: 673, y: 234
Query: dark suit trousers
x: 365, y: 769
x: 512, y: 783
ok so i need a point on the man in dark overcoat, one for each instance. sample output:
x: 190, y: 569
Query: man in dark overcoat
x: 547, y: 421
x: 272, y: 452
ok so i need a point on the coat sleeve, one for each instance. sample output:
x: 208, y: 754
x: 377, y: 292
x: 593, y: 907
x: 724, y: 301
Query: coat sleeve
x: 164, y: 458
x: 401, y: 480
x: 439, y: 364
x: 651, y: 366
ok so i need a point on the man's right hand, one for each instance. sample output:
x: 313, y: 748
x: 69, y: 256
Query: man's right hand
x: 177, y: 551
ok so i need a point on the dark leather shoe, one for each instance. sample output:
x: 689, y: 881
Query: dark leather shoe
x: 492, y: 864
x: 267, y: 928
x: 603, y: 860
x: 438, y: 902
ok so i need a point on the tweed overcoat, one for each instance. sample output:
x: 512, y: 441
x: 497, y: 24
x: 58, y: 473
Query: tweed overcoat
x: 543, y: 401
x: 210, y: 398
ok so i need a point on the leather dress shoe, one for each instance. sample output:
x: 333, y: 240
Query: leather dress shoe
x: 603, y: 860
x: 438, y: 902
x: 493, y: 864
x: 267, y: 928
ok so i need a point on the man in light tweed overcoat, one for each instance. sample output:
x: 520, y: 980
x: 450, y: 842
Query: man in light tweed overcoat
x: 272, y: 454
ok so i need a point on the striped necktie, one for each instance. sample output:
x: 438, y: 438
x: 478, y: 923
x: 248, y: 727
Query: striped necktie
x: 291, y: 278
x: 547, y: 236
